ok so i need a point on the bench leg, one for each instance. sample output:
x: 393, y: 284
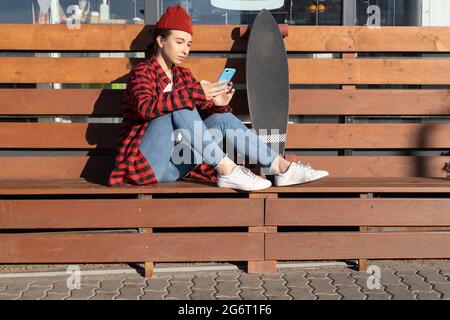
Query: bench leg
x: 264, y: 266
x: 363, y: 264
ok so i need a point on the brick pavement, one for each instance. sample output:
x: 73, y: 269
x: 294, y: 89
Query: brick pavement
x: 287, y: 284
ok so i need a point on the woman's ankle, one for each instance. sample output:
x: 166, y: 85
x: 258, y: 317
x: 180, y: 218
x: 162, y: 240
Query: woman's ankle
x: 279, y: 165
x: 225, y: 166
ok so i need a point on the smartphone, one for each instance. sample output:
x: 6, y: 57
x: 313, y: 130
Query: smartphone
x: 227, y: 75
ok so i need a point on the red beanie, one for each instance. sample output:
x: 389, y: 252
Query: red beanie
x: 175, y: 18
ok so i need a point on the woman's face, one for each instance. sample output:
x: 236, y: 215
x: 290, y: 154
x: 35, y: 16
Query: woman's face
x: 176, y: 47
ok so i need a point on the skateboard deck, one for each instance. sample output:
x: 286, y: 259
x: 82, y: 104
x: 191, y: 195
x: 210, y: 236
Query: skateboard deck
x: 267, y: 80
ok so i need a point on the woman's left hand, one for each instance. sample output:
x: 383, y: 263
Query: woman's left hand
x: 224, y: 99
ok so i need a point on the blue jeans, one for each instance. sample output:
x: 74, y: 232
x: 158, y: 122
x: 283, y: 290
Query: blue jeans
x: 163, y: 152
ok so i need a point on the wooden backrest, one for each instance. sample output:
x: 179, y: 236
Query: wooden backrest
x: 354, y: 76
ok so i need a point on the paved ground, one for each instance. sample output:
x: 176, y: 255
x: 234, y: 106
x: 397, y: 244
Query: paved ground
x: 417, y: 280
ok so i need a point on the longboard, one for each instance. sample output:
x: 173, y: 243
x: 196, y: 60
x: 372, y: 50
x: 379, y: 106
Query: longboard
x: 267, y: 80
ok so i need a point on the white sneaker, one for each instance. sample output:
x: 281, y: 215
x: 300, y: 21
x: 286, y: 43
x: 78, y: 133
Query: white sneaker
x: 299, y: 172
x: 243, y: 179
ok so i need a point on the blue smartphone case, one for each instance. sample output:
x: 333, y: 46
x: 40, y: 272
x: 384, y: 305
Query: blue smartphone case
x: 227, y: 75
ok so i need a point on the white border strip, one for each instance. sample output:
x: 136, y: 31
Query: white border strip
x: 165, y: 270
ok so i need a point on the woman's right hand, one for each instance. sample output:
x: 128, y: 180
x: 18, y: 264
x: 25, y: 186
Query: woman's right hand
x: 213, y: 89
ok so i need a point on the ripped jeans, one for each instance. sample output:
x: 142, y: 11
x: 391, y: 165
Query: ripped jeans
x: 199, y: 144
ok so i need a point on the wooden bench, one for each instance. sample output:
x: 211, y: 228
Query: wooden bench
x: 55, y: 206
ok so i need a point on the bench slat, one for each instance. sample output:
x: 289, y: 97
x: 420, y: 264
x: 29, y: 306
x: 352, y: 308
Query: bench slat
x: 299, y: 136
x: 358, y: 212
x: 74, y: 167
x: 301, y: 38
x: 130, y: 213
x: 167, y: 247
x: 301, y: 71
x: 106, y: 102
x: 329, y: 185
x: 354, y: 245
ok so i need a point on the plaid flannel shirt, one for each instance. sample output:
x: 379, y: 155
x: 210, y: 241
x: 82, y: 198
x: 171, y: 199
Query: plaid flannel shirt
x: 144, y: 100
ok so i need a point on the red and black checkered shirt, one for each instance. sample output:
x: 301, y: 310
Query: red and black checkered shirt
x: 144, y: 100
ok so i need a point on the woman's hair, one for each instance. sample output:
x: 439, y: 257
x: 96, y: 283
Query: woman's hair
x: 164, y: 33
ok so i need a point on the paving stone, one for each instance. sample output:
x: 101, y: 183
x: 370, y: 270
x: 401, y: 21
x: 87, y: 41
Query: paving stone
x: 103, y: 295
x: 178, y: 290
x: 252, y: 294
x: 400, y: 292
x: 227, y: 289
x: 131, y: 291
x: 443, y: 288
x: 110, y: 285
x: 341, y: 278
x: 59, y: 287
x: 281, y: 297
x: 274, y: 276
x: 296, y: 280
x: 428, y: 295
x: 230, y: 276
x: 34, y: 293
x: 47, y: 283
x: 350, y: 292
x: 183, y: 277
x: 9, y: 296
x: 378, y: 296
x: 388, y: 276
x: 55, y: 296
x: 158, y: 284
x: 17, y: 286
x: 153, y: 295
x: 250, y: 281
x: 202, y: 295
x: 275, y: 288
x: 228, y: 298
x: 85, y: 292
x: 315, y: 274
x: 323, y: 286
x: 432, y: 276
x: 299, y: 293
x: 328, y: 297
x: 416, y: 283
x: 204, y: 282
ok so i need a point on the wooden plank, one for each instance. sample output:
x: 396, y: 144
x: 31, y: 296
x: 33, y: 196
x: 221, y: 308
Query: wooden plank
x: 94, y: 102
x: 225, y: 38
x: 368, y: 136
x: 205, y: 246
x: 300, y: 135
x: 106, y: 70
x: 164, y: 247
x: 301, y: 71
x: 379, y: 166
x: 68, y: 248
x: 129, y: 213
x: 358, y: 212
x: 98, y: 168
x: 370, y: 102
x: 302, y: 102
x: 191, y: 186
x: 355, y: 245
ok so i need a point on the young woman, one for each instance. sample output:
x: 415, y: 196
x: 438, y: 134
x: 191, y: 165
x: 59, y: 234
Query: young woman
x: 163, y: 98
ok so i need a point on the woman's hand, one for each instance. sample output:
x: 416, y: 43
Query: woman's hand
x: 213, y: 89
x: 225, y: 98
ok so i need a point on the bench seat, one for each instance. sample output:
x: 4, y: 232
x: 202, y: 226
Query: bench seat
x: 329, y: 184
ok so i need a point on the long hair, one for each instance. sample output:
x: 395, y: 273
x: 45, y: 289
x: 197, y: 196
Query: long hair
x: 164, y: 33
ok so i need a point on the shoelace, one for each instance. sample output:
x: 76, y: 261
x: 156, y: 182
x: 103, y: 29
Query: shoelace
x: 305, y: 164
x: 247, y: 172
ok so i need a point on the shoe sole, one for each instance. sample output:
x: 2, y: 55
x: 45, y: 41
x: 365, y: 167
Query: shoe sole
x: 293, y: 184
x: 234, y: 187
